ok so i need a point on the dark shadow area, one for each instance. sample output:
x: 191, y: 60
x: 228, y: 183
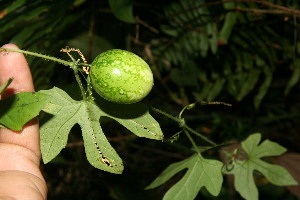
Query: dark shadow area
x: 5, y: 106
x: 123, y: 111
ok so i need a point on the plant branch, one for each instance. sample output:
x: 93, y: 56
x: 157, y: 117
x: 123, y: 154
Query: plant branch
x: 39, y: 55
x: 166, y: 114
x: 281, y: 9
x: 182, y: 123
x: 290, y: 11
x: 199, y: 135
x: 83, y: 93
x: 262, y: 11
x: 192, y: 141
x: 74, y: 65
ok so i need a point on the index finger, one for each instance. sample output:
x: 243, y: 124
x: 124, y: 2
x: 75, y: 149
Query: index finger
x: 14, y: 64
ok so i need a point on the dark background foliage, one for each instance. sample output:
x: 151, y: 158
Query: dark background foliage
x: 242, y: 52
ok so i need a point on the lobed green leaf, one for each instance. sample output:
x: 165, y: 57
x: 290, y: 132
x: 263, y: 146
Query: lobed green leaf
x: 200, y: 173
x: 68, y: 112
x: 243, y: 169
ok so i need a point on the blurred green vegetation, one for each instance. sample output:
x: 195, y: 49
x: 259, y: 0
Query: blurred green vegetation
x: 246, y: 53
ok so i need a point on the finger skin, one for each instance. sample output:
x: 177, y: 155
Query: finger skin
x: 14, y: 64
x: 13, y: 186
x: 19, y: 150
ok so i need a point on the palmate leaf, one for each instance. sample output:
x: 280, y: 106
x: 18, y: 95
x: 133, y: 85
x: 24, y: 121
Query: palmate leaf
x: 243, y: 169
x: 68, y: 112
x: 200, y: 173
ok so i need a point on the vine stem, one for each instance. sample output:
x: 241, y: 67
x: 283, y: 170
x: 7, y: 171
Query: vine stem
x: 74, y: 65
x: 166, y: 114
x: 199, y: 135
x: 192, y: 141
x: 185, y: 127
x: 83, y: 93
x: 40, y: 55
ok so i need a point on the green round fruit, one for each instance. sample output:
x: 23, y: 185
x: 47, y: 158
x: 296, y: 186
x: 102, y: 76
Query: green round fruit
x: 121, y: 76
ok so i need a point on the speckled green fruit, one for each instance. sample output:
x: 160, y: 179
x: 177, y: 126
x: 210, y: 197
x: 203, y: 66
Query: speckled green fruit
x: 121, y: 76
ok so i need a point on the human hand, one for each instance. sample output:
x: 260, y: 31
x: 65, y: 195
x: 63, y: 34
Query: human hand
x: 20, y: 175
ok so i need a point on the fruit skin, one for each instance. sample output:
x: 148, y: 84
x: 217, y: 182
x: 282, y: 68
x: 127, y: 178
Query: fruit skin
x: 121, y: 76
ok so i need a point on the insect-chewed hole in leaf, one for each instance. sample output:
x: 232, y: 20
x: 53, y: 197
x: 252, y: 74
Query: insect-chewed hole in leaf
x: 101, y: 155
